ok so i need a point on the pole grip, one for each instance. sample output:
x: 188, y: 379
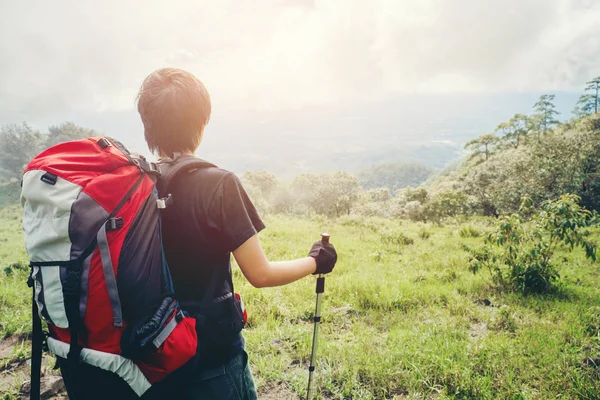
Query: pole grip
x: 325, y: 238
x: 320, y: 284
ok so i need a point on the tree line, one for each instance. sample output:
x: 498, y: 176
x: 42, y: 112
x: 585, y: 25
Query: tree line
x: 534, y: 156
x: 20, y: 143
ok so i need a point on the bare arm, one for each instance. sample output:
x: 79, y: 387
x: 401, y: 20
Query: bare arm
x: 260, y: 272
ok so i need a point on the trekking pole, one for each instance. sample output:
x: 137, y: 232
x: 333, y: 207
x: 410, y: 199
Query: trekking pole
x: 317, y: 320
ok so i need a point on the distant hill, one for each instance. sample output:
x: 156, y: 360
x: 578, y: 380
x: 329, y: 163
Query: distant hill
x: 566, y: 159
x: 394, y: 176
x: 428, y: 129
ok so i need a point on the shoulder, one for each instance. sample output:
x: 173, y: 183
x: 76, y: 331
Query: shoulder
x: 198, y: 188
x: 211, y: 183
x: 211, y: 176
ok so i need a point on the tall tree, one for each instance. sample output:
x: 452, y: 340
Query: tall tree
x: 418, y: 194
x: 515, y: 130
x: 66, y: 132
x: 380, y: 195
x: 545, y: 111
x: 482, y: 145
x: 327, y: 194
x: 589, y: 102
x: 584, y: 106
x: 481, y: 182
x: 593, y: 86
x: 342, y: 190
x: 18, y: 145
x: 263, y: 180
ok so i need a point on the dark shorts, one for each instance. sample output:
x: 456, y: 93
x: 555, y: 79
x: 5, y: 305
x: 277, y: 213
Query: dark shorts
x: 91, y: 383
x: 231, y: 381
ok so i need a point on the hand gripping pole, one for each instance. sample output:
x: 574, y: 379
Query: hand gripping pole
x: 317, y: 321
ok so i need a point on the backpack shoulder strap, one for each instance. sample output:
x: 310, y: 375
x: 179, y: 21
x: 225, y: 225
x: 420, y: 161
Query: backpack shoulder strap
x: 171, y: 169
x: 36, y: 347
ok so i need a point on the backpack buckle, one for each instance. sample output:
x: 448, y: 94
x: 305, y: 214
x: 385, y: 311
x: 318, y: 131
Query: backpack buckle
x: 72, y: 283
x: 103, y: 143
x: 154, y: 167
x: 49, y: 178
x: 114, y: 224
x: 164, y: 202
x: 145, y: 165
x: 45, y: 337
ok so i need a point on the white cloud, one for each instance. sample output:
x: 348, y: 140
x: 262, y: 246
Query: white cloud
x: 64, y: 55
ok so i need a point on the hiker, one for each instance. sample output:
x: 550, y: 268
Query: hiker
x: 213, y: 218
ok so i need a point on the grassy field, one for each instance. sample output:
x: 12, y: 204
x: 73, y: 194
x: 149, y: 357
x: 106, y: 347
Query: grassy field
x: 404, y: 321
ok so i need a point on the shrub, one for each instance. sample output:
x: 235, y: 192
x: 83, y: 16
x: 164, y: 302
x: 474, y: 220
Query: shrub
x: 395, y: 207
x: 18, y: 266
x: 505, y: 320
x: 424, y: 234
x: 396, y: 238
x: 419, y: 194
x: 350, y: 220
x: 468, y: 231
x: 447, y: 204
x: 371, y: 209
x: 378, y: 255
x: 358, y: 221
x: 518, y: 253
x: 413, y: 210
x: 591, y: 321
x: 281, y: 200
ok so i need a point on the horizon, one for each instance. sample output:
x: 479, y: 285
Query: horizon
x: 382, y: 133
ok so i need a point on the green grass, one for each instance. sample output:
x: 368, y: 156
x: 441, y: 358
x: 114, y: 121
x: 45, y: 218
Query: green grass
x: 401, y: 319
x: 15, y: 303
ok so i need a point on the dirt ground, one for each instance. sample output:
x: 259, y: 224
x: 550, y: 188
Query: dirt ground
x: 14, y: 377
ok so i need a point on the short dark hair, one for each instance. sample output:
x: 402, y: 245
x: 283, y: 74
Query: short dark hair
x: 175, y: 107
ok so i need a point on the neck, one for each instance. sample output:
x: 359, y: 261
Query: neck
x: 183, y: 153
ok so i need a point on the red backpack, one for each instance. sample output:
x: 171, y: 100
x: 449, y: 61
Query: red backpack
x: 98, y: 271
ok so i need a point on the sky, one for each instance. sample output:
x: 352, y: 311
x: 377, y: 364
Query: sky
x: 59, y: 58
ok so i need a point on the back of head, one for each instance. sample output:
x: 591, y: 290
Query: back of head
x: 175, y: 107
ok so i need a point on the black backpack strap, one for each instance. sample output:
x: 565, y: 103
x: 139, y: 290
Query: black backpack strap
x: 72, y: 298
x: 171, y: 169
x: 36, y: 347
